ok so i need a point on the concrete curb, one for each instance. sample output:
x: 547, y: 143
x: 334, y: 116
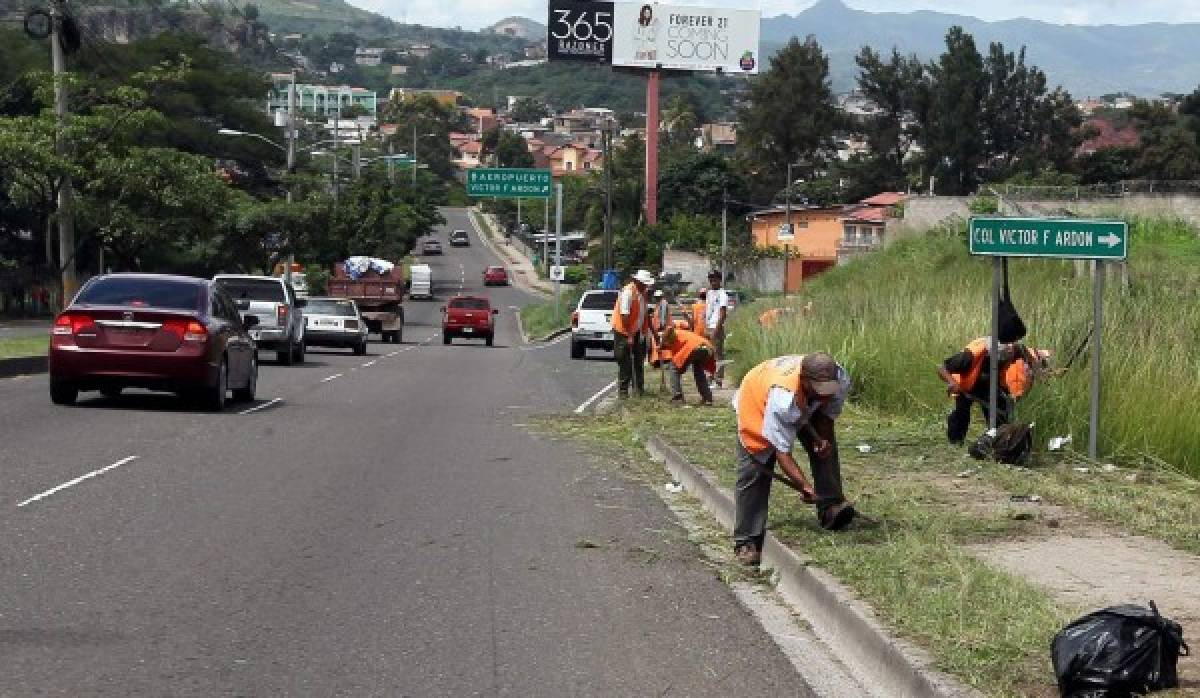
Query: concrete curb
x: 842, y: 622
x: 553, y: 335
x: 23, y: 365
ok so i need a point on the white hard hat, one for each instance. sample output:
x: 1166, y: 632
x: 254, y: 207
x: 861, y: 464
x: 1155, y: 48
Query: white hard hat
x: 644, y: 277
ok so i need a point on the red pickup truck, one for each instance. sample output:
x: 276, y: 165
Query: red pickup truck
x: 469, y: 316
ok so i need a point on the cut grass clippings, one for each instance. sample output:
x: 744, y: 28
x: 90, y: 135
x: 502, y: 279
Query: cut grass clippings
x: 18, y: 347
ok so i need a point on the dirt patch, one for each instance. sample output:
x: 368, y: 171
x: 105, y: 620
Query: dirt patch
x: 1095, y: 571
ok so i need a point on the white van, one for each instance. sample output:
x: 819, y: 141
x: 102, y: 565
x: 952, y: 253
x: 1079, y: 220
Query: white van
x: 421, y: 278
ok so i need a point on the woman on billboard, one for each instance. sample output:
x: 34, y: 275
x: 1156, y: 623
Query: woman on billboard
x: 646, y: 35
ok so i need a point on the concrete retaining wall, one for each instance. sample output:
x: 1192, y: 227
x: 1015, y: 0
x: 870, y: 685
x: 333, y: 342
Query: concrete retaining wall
x: 763, y: 275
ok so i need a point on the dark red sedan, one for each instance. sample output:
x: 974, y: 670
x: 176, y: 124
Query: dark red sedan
x: 171, y: 333
x: 495, y: 276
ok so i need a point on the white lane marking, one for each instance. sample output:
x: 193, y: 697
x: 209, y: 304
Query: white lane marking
x: 263, y: 406
x: 333, y: 377
x: 587, y: 403
x: 392, y: 354
x: 368, y: 364
x: 78, y: 480
x: 551, y: 343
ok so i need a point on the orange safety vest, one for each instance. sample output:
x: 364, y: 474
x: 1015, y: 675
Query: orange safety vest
x: 1015, y: 376
x: 770, y: 317
x: 783, y: 372
x: 687, y: 342
x: 698, y: 309
x: 635, y: 307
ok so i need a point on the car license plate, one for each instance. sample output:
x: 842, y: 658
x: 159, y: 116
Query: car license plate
x: 468, y: 330
x: 327, y: 323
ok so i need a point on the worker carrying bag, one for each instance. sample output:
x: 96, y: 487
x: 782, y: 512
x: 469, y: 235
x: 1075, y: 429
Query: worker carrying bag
x: 1118, y: 652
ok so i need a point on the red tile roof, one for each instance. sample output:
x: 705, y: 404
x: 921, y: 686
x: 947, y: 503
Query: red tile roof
x: 471, y: 148
x: 867, y: 214
x: 887, y: 198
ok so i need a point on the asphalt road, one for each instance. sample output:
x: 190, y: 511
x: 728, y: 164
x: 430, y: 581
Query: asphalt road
x: 383, y: 529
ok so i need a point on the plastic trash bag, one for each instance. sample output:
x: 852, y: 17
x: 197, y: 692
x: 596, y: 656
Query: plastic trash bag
x: 1008, y: 443
x: 1119, y: 652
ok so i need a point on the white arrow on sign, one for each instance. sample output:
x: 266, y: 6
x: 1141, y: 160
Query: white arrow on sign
x: 1112, y: 239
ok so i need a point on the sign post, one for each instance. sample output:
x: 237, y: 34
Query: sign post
x: 1052, y: 238
x: 558, y: 191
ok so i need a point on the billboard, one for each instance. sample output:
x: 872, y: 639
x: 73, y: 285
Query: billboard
x: 577, y: 30
x: 683, y: 37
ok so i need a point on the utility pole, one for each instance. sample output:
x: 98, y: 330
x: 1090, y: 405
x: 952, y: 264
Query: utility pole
x: 66, y: 220
x: 608, y: 232
x: 788, y: 223
x: 724, y: 229
x: 356, y: 151
x: 337, y: 140
x: 414, y: 165
x: 291, y: 165
x: 558, y: 213
x: 546, y: 239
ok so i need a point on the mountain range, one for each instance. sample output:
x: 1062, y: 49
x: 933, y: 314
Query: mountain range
x: 1145, y: 59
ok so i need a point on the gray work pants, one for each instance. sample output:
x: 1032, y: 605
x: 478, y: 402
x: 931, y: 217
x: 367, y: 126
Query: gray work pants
x: 631, y: 363
x: 717, y: 337
x: 754, y: 486
x: 696, y: 363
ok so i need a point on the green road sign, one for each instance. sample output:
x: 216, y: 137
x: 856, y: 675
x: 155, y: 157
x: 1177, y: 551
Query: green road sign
x: 1049, y: 237
x: 509, y: 183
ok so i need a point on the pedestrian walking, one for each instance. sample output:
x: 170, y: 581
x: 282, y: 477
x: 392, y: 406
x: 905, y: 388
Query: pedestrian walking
x: 631, y: 330
x: 778, y: 400
x: 688, y: 350
x: 715, y: 311
x: 968, y: 380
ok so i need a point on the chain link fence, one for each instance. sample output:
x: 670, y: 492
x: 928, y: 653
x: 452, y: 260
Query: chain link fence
x: 1091, y: 192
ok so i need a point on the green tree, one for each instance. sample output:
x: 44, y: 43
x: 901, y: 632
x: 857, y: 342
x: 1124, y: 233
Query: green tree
x: 529, y: 109
x: 791, y: 116
x: 892, y: 86
x: 698, y: 183
x: 679, y: 122
x: 1169, y: 148
x: 948, y: 103
x: 425, y: 115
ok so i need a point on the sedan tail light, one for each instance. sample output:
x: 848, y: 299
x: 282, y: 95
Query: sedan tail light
x: 575, y: 319
x: 282, y: 314
x: 71, y: 324
x: 188, y: 331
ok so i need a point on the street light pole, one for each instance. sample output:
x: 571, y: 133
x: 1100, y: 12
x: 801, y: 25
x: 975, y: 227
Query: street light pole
x: 608, y: 233
x: 414, y: 169
x: 291, y: 165
x: 724, y: 228
x: 66, y: 220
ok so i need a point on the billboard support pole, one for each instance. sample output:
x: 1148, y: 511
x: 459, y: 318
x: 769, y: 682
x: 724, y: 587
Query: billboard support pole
x: 652, y: 84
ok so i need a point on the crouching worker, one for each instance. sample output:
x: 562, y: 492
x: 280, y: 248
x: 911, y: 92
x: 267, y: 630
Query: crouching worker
x: 687, y: 349
x: 968, y: 380
x: 778, y: 400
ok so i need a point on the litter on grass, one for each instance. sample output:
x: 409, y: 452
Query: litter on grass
x: 864, y: 448
x: 1059, y: 442
x: 673, y: 487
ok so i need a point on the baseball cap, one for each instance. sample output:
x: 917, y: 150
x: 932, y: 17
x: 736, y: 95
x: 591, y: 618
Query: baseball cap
x: 822, y: 373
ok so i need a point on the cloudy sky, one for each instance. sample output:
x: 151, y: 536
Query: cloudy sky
x: 473, y: 14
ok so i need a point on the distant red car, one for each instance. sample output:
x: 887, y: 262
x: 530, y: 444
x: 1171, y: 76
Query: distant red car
x: 171, y: 333
x: 469, y: 316
x: 495, y: 276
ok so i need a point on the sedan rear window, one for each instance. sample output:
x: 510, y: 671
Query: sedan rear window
x: 254, y: 290
x: 604, y: 300
x: 323, y: 307
x: 470, y: 304
x: 494, y: 270
x: 143, y: 293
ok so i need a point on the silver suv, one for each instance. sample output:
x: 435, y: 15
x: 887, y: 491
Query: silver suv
x: 280, y: 313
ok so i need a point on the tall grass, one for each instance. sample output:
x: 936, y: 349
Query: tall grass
x: 894, y: 316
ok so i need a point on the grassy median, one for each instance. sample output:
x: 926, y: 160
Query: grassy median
x: 18, y: 347
x: 540, y: 319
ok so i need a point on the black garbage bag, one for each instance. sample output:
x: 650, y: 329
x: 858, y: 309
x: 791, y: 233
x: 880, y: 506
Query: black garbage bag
x: 1012, y: 327
x: 1119, y: 652
x: 1009, y: 443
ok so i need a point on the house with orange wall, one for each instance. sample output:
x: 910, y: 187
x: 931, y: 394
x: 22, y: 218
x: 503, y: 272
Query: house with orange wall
x: 812, y: 244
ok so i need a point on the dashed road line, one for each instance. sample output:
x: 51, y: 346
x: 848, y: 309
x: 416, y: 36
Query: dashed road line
x: 76, y: 481
x: 333, y: 377
x: 368, y: 364
x: 263, y: 406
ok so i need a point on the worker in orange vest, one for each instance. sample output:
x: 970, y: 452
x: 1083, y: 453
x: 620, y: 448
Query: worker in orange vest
x: 779, y: 400
x: 631, y: 332
x: 967, y: 377
x: 689, y: 349
x: 699, y: 309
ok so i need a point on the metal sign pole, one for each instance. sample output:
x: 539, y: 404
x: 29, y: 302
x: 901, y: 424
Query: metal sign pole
x: 994, y: 349
x: 1097, y: 320
x: 558, y: 195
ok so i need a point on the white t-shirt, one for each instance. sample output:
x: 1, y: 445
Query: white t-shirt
x: 714, y: 301
x: 627, y: 307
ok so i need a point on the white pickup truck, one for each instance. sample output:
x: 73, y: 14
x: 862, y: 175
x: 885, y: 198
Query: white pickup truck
x: 280, y: 318
x: 591, y: 323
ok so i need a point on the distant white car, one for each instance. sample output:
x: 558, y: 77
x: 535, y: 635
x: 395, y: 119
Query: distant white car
x: 335, y: 322
x: 591, y: 323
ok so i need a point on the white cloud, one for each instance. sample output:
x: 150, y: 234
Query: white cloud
x: 474, y: 14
